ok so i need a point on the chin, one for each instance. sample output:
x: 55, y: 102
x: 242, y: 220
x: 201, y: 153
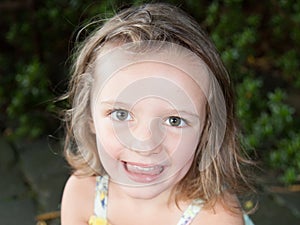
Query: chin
x: 147, y: 192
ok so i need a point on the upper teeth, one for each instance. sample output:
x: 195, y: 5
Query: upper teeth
x: 144, y: 169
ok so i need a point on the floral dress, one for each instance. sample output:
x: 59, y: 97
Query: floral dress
x: 100, y: 204
x: 100, y: 207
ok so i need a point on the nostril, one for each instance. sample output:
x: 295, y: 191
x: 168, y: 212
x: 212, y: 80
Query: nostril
x: 146, y: 146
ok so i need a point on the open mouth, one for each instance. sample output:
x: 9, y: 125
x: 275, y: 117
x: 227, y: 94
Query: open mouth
x: 142, y: 173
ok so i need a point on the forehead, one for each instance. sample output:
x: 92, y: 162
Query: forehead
x: 150, y: 78
x: 133, y: 62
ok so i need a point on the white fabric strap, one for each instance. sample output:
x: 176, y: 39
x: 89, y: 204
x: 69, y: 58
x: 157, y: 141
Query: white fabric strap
x: 100, y: 205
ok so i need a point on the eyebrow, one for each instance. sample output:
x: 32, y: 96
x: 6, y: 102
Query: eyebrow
x: 114, y: 103
x: 183, y: 112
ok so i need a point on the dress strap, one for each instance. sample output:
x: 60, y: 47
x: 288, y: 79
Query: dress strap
x: 191, y: 212
x: 247, y: 220
x: 100, y: 205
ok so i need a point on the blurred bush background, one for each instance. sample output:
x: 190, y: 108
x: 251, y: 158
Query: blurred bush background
x: 258, y: 41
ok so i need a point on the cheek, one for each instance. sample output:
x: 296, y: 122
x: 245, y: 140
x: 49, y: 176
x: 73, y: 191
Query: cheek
x: 182, y: 147
x: 106, y: 138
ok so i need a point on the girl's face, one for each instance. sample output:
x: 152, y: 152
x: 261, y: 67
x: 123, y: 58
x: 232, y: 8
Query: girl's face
x: 148, y: 118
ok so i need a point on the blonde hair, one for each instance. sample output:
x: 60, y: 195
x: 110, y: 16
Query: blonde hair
x: 159, y: 22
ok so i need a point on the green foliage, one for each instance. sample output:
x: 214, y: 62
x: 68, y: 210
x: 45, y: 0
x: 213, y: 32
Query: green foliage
x: 241, y: 32
x: 265, y: 121
x: 29, y: 98
x: 287, y: 155
x: 259, y: 43
x: 36, y: 43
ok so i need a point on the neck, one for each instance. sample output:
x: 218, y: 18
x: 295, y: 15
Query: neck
x: 155, y: 207
x: 141, y: 196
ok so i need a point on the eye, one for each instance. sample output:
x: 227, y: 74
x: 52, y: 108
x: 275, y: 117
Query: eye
x: 120, y: 115
x: 176, y: 121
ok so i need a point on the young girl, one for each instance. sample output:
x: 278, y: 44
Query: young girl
x: 151, y: 133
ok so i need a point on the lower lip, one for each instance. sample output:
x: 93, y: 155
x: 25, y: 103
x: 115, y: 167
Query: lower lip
x: 141, y: 177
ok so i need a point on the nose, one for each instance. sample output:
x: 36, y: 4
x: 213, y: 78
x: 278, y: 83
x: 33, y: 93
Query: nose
x: 142, y: 131
x: 144, y: 136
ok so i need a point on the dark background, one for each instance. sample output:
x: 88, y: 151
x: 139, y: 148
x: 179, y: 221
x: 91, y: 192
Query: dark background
x: 259, y: 42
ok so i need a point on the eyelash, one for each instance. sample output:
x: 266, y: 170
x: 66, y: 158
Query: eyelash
x: 181, y: 121
x: 111, y: 114
x: 166, y: 121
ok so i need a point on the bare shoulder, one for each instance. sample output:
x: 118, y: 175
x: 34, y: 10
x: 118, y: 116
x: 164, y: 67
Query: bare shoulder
x: 78, y: 200
x: 222, y: 214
